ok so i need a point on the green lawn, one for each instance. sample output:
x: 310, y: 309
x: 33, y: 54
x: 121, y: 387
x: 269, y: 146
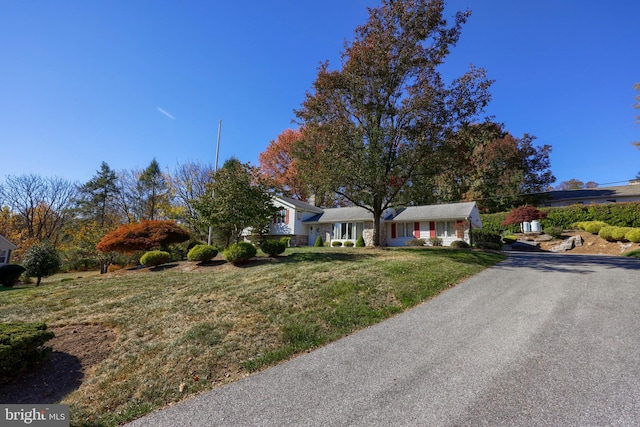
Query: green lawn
x: 221, y: 322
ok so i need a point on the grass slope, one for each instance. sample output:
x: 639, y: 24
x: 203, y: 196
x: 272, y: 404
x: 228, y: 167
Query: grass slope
x: 185, y: 332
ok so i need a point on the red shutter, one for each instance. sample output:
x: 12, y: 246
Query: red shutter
x: 286, y: 216
x: 432, y: 229
x: 460, y: 229
x: 393, y: 230
x: 416, y: 230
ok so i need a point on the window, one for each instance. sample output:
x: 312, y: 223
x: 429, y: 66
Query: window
x: 347, y: 230
x: 404, y: 229
x: 281, y: 217
x: 445, y: 229
x: 3, y: 256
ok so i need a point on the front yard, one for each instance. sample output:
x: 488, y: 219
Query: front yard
x: 169, y: 334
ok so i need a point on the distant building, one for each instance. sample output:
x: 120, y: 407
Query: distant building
x: 589, y: 196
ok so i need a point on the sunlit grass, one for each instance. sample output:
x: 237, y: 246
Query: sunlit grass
x: 184, y: 332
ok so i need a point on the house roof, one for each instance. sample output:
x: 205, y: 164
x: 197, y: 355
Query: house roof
x: 434, y: 212
x: 409, y: 214
x: 300, y: 204
x: 352, y: 213
x: 6, y: 244
x: 599, y: 193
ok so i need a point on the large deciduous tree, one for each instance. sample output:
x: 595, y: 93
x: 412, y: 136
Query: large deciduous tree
x: 237, y: 200
x: 388, y: 109
x: 42, y: 204
x: 189, y: 183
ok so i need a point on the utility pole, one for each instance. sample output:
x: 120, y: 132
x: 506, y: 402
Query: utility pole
x: 215, y: 169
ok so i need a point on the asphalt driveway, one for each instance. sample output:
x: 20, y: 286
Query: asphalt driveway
x: 538, y: 340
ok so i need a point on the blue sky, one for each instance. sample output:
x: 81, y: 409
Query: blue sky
x: 123, y: 81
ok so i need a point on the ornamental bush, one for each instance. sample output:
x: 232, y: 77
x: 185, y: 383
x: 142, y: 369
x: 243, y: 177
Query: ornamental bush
x: 40, y: 261
x: 272, y: 247
x: 434, y: 241
x: 319, y: 242
x: 202, y: 253
x: 21, y: 345
x: 554, y: 232
x: 336, y: 243
x: 594, y: 227
x: 360, y: 242
x: 240, y: 252
x: 480, y: 235
x: 459, y: 244
x: 415, y: 242
x: 349, y: 244
x: 607, y: 233
x: 619, y: 233
x: 633, y: 235
x: 10, y: 274
x: 154, y: 258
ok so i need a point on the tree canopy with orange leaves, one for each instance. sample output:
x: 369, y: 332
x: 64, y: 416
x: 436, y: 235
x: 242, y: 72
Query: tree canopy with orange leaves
x: 143, y: 236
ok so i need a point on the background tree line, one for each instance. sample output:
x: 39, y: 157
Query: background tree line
x: 74, y: 217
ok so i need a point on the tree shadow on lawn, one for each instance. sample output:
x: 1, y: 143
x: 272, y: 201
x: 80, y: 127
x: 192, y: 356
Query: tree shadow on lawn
x: 47, y: 382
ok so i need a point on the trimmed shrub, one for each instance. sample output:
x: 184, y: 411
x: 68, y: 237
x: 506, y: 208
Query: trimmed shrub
x: 633, y: 235
x: 240, y: 252
x: 480, y: 235
x: 272, y: 247
x: 459, y: 244
x: 349, y: 244
x: 434, y: 241
x: 336, y: 243
x: 360, y: 242
x: 619, y: 233
x: 594, y: 227
x: 507, y: 240
x: 607, y: 233
x: 554, y: 232
x: 319, y: 242
x: 10, y: 274
x: 154, y: 258
x: 202, y: 253
x: 41, y: 260
x: 21, y: 345
x: 416, y: 242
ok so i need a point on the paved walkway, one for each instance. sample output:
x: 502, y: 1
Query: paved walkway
x: 538, y: 340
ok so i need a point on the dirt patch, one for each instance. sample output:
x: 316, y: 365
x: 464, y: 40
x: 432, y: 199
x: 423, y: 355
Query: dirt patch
x: 592, y: 245
x: 76, y: 350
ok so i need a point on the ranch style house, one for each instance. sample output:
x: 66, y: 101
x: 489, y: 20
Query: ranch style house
x: 304, y: 222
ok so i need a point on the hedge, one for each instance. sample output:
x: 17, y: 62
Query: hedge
x: 615, y: 214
